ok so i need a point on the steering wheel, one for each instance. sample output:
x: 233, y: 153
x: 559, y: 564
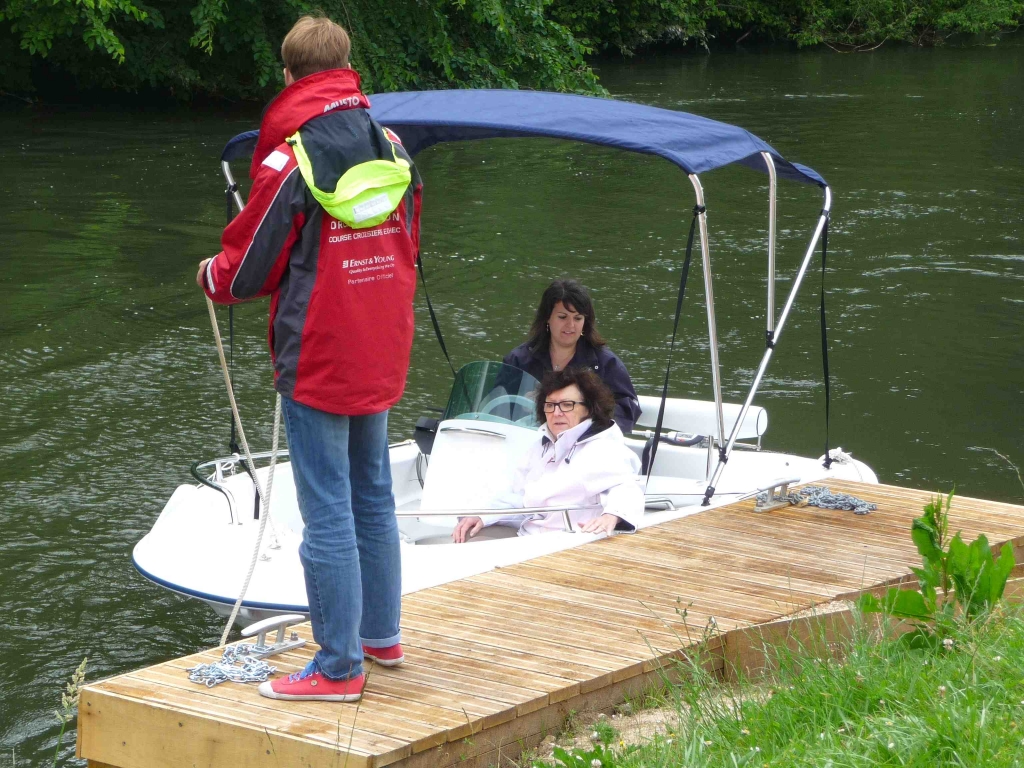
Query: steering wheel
x: 513, y: 399
x: 525, y: 402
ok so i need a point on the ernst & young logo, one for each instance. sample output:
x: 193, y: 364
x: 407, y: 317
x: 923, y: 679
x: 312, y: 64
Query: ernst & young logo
x: 370, y: 262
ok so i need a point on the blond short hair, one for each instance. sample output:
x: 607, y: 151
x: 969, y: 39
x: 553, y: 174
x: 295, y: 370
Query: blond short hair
x: 314, y: 44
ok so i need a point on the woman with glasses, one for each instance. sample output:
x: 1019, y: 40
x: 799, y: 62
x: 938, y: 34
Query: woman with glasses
x: 579, y: 460
x: 564, y: 335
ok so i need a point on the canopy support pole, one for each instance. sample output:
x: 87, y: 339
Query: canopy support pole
x: 716, y: 378
x: 726, y: 450
x: 769, y: 333
x: 232, y: 184
x: 231, y: 193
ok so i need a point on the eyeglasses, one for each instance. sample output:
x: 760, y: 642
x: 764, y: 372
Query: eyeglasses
x: 564, y: 405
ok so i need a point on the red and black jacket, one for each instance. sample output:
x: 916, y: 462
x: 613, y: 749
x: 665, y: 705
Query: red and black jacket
x: 341, y: 315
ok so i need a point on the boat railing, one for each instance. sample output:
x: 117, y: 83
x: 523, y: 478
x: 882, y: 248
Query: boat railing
x: 227, y: 466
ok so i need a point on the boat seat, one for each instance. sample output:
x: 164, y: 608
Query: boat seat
x: 471, y: 464
x: 683, y: 462
x: 414, y: 530
x: 699, y: 417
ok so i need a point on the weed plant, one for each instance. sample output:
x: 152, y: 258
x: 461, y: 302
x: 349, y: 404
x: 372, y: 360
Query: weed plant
x: 68, y: 705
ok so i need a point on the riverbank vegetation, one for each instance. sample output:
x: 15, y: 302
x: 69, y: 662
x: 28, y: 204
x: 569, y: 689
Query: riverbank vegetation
x: 923, y: 677
x: 869, y: 703
x: 229, y: 48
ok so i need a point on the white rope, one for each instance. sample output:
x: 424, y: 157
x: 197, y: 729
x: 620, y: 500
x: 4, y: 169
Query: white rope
x: 841, y: 457
x: 264, y: 497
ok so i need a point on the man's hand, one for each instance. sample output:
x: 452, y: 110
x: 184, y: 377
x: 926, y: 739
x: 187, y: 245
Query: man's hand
x: 604, y: 524
x: 199, y: 274
x: 467, y: 528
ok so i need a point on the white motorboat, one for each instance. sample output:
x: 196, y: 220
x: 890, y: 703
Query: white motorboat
x: 704, y: 453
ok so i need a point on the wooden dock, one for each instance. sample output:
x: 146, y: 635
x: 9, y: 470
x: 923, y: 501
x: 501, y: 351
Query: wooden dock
x: 497, y: 661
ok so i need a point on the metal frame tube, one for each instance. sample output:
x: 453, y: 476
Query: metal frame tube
x: 709, y: 295
x: 232, y: 186
x: 724, y: 457
x: 772, y: 187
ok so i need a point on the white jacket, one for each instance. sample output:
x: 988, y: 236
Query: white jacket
x: 579, y: 468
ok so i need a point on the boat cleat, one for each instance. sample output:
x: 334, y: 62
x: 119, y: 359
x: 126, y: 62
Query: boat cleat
x: 775, y: 496
x: 261, y: 649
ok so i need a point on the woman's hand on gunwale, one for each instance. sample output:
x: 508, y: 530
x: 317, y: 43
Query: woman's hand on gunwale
x: 604, y: 524
x: 467, y: 528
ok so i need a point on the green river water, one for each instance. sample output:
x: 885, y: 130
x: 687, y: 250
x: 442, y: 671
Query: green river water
x: 111, y: 388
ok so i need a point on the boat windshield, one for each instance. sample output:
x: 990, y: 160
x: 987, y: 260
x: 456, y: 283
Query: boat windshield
x: 489, y: 391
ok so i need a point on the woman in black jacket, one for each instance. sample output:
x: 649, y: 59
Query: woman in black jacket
x: 564, y: 335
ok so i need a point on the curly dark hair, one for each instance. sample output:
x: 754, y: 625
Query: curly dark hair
x: 573, y: 297
x: 598, y: 399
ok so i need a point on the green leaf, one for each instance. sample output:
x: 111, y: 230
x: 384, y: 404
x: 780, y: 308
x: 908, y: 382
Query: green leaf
x: 926, y: 538
x: 928, y: 578
x: 920, y: 639
x: 1001, y: 572
x: 907, y: 604
x: 868, y: 603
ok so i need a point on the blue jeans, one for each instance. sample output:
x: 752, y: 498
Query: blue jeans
x: 350, y: 548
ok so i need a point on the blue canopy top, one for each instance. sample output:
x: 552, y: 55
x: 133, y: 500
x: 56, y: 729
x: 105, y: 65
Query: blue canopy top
x: 695, y: 144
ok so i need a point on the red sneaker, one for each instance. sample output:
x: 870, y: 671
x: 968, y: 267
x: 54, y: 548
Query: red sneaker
x: 311, y: 685
x: 391, y: 656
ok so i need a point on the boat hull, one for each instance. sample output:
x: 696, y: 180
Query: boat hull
x: 202, y: 544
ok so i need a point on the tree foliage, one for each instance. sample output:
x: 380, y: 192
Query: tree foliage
x: 628, y: 24
x: 230, y: 48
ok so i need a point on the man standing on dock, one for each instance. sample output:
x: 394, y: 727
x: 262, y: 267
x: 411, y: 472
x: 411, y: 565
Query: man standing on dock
x: 331, y: 234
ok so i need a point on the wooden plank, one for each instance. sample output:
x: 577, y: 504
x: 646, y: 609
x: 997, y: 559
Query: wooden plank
x: 438, y: 662
x: 803, y: 529
x: 489, y: 711
x: 120, y: 732
x: 731, y: 543
x: 632, y: 608
x: 452, y: 656
x: 565, y: 668
x: 692, y: 580
x: 486, y: 748
x: 531, y: 624
x: 710, y: 549
x: 787, y: 531
x: 746, y: 650
x: 808, y: 548
x: 442, y: 652
x: 555, y: 653
x: 558, y: 610
x: 243, y: 701
x: 651, y: 593
x: 909, y: 496
x: 445, y: 717
x: 744, y: 568
x: 876, y: 530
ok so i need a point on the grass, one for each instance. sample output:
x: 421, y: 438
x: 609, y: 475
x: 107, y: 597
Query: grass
x: 68, y: 706
x: 882, y: 704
